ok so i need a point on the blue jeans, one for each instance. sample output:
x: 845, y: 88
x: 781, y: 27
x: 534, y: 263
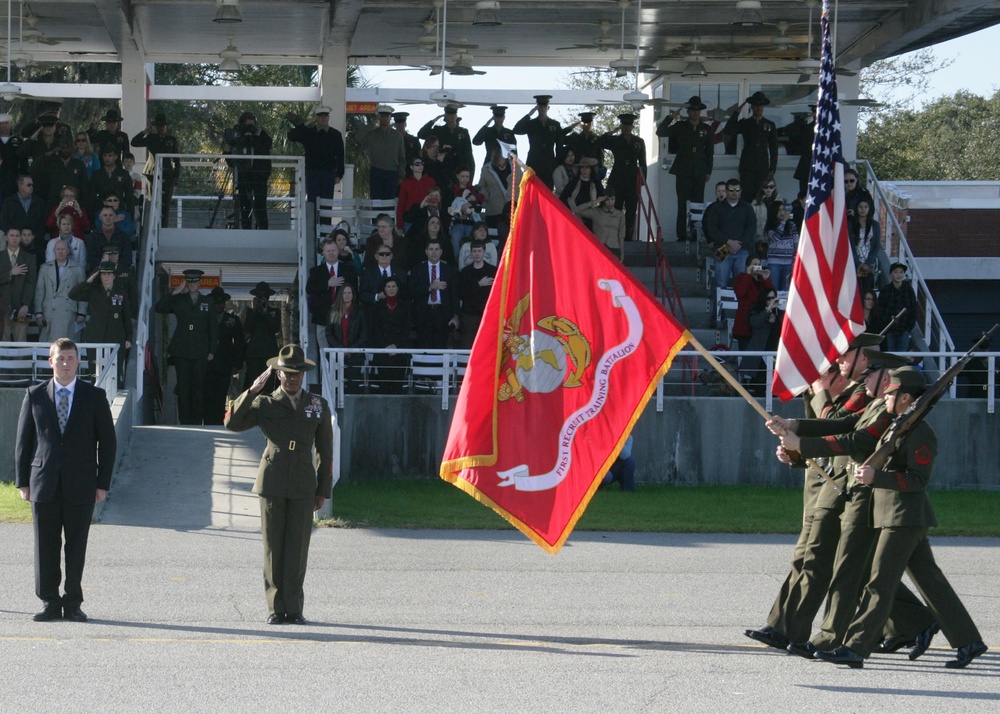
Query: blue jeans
x: 725, y: 271
x: 781, y: 275
x: 622, y: 471
x: 898, y: 341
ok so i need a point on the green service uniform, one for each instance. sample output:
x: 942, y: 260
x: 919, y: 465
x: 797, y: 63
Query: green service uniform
x: 288, y: 483
x: 849, y: 442
x: 902, y: 512
x: 194, y: 339
x: 805, y: 586
x: 692, y: 166
x: 760, y: 151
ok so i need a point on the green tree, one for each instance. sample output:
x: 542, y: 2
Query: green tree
x: 605, y: 115
x: 950, y: 139
x: 896, y: 82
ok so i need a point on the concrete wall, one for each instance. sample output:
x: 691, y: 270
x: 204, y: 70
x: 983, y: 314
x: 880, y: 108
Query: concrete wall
x: 693, y: 441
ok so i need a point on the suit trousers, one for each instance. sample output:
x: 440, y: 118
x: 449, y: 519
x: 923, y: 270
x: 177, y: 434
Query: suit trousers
x: 285, y: 527
x: 804, y: 589
x: 689, y: 188
x: 51, y: 522
x: 907, y: 549
x: 851, y: 570
x: 190, y: 389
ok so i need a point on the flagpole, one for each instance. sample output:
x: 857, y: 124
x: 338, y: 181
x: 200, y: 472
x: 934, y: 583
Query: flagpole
x: 716, y: 364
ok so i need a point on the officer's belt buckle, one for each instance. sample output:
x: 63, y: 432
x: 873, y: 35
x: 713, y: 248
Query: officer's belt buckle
x: 190, y: 327
x: 291, y: 446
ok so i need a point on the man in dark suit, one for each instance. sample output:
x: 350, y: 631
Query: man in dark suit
x: 433, y: 285
x: 291, y: 487
x: 64, y: 456
x: 322, y: 285
x: 375, y: 275
x: 24, y: 209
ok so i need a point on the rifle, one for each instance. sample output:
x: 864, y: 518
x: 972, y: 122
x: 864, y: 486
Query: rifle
x: 918, y: 411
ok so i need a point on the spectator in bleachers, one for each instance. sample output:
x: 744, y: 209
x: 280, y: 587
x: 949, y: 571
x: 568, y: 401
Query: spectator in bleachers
x: 138, y: 193
x: 749, y: 286
x: 123, y: 217
x: 894, y: 297
x: 413, y: 190
x: 720, y: 196
x: 583, y: 190
x: 608, y: 223
x: 55, y: 313
x: 375, y: 275
x: 11, y: 164
x: 782, y: 244
x: 32, y: 247
x: 229, y: 355
x: 456, y: 144
x: 323, y: 147
x: 76, y: 245
x: 111, y: 178
x: 385, y: 233
x: 324, y: 284
x: 347, y: 253
x: 23, y: 208
x: 107, y: 232
x: 262, y: 327
x: 729, y: 230
x: 866, y: 240
x: 434, y: 229
x: 461, y: 187
x: 432, y: 287
x: 766, y: 196
x: 18, y: 274
x: 799, y: 209
x: 390, y: 327
x: 497, y: 184
x: 463, y: 220
x: 421, y: 217
x: 85, y: 153
x: 765, y: 326
x: 474, y: 284
x: 874, y: 322
x: 69, y: 205
x: 434, y: 161
x: 854, y: 191
x: 347, y: 329
x: 479, y: 232
x: 565, y: 171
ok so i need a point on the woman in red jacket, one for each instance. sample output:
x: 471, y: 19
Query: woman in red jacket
x: 748, y: 287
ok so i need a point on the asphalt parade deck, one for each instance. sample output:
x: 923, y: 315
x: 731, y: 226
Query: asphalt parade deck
x: 433, y: 621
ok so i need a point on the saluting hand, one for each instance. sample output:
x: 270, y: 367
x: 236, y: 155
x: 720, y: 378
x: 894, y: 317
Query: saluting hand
x: 261, y: 381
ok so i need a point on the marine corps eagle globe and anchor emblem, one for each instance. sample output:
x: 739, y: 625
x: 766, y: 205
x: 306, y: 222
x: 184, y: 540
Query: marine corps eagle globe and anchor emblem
x: 537, y: 362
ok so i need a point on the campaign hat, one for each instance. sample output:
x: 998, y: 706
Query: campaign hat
x: 291, y: 358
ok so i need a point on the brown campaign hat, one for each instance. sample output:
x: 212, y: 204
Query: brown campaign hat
x: 291, y: 358
x: 219, y: 295
x: 758, y: 99
x: 262, y: 289
x: 696, y: 103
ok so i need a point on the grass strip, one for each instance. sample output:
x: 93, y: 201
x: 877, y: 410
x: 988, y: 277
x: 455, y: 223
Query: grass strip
x: 12, y: 508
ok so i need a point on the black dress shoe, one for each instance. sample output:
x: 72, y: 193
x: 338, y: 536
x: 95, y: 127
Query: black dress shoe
x: 75, y: 614
x: 49, y: 612
x: 842, y: 655
x: 923, y: 641
x: 893, y: 644
x: 296, y: 619
x: 275, y: 619
x: 803, y: 649
x: 768, y: 636
x: 966, y: 655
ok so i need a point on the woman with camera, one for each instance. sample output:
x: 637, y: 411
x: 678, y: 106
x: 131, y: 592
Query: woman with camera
x: 765, y: 326
x: 749, y: 287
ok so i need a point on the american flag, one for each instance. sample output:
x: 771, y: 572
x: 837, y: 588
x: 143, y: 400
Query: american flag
x: 824, y: 311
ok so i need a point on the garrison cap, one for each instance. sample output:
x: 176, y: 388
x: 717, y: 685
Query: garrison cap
x: 107, y: 266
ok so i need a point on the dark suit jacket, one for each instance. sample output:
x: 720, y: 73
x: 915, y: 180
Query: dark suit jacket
x: 371, y: 282
x: 357, y: 330
x: 13, y: 215
x: 318, y: 291
x: 418, y: 288
x: 81, y: 460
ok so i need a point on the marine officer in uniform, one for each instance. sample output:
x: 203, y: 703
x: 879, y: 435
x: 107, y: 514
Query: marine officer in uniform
x: 290, y: 486
x: 454, y: 141
x: 902, y: 512
x: 692, y: 166
x: 262, y: 327
x: 110, y: 311
x: 494, y: 132
x: 411, y: 144
x: 193, y: 344
x: 544, y: 138
x: 584, y: 143
x: 629, y: 152
x: 759, y: 158
x: 155, y: 139
x: 228, y: 360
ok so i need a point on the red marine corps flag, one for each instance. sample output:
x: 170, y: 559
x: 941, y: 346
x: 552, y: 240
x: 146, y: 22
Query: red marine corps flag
x: 824, y: 311
x: 569, y: 351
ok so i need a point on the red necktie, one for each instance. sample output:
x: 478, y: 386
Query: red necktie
x: 333, y: 291
x: 434, y: 277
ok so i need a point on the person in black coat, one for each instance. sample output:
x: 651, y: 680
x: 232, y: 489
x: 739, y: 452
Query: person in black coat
x: 432, y: 286
x: 252, y: 173
x: 390, y: 323
x: 262, y: 327
x: 347, y: 329
x: 544, y: 138
x: 324, y: 283
x: 230, y: 353
x: 64, y: 456
x: 374, y: 276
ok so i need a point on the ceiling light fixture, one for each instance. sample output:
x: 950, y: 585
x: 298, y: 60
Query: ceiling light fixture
x: 230, y: 58
x: 487, y: 14
x: 749, y: 13
x: 228, y: 12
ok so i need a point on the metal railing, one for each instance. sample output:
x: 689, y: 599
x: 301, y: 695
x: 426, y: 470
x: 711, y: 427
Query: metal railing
x: 896, y: 247
x: 25, y: 363
x: 356, y: 370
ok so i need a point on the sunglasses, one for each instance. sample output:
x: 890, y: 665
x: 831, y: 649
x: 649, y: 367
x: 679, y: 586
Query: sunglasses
x: 383, y: 255
x: 417, y: 163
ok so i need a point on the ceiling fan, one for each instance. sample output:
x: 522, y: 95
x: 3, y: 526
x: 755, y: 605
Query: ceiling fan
x: 33, y: 36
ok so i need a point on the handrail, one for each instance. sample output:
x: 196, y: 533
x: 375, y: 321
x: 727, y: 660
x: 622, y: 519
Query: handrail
x: 333, y: 363
x: 898, y: 249
x: 104, y: 363
x: 646, y: 210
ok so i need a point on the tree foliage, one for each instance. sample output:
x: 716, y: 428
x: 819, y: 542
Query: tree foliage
x: 896, y: 82
x: 951, y: 139
x: 605, y: 115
